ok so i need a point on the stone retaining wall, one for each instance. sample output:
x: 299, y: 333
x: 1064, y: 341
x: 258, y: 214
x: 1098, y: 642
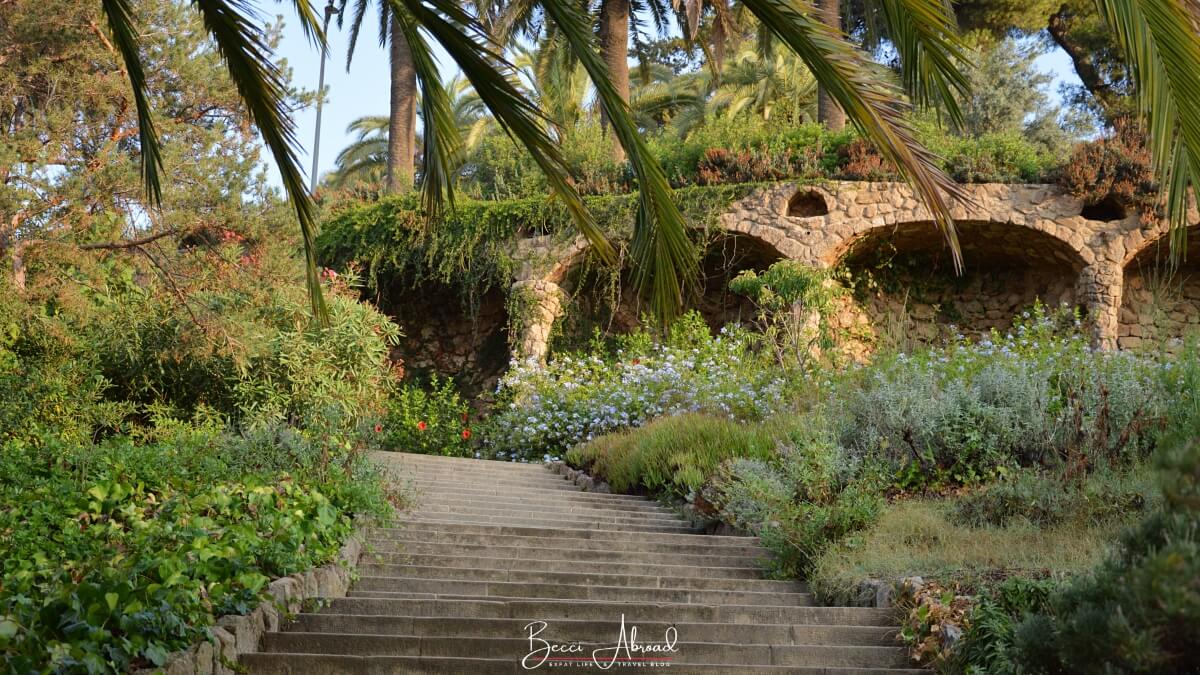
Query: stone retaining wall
x: 1019, y: 242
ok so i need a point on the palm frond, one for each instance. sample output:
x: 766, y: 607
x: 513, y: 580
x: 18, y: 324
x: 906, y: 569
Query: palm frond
x: 932, y: 57
x: 360, y: 11
x: 664, y: 257
x: 442, y: 149
x: 126, y: 38
x: 492, y: 78
x: 870, y: 104
x: 1162, y: 46
x: 263, y: 89
x: 310, y: 22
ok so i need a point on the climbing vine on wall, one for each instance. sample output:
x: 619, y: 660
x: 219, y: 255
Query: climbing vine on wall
x: 474, y: 247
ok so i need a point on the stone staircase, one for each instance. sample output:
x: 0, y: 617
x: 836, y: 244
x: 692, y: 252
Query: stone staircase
x: 493, y: 547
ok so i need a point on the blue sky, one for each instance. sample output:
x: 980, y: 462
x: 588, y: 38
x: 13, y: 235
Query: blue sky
x: 364, y: 90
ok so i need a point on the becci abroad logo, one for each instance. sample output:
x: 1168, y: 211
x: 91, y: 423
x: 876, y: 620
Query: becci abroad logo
x: 626, y: 652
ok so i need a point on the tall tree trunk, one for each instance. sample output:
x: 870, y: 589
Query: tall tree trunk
x: 402, y: 125
x: 614, y: 48
x: 828, y: 111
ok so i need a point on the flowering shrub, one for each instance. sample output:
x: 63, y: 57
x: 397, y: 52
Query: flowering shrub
x: 433, y: 421
x: 544, y: 410
x: 1036, y: 396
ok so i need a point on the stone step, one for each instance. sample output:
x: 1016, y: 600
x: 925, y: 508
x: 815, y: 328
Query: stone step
x: 539, y: 479
x: 612, y: 538
x: 515, y: 486
x: 738, y: 568
x: 484, y: 492
x: 516, y: 590
x: 657, y: 578
x: 514, y: 649
x: 613, y: 508
x: 546, y: 523
x: 547, y: 609
x: 336, y: 664
x: 562, y: 514
x: 582, y: 630
x: 544, y: 563
x: 749, y: 562
x: 463, y: 463
x: 394, y: 539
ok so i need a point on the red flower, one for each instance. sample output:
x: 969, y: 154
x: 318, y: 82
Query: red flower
x: 466, y: 434
x: 637, y: 362
x: 378, y: 428
x: 421, y: 426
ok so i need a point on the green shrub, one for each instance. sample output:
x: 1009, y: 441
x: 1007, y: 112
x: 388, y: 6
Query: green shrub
x: 433, y: 420
x: 113, y: 556
x: 973, y: 411
x: 1046, y: 500
x: 671, y: 457
x: 800, y: 501
x: 1139, y: 612
x: 997, y: 622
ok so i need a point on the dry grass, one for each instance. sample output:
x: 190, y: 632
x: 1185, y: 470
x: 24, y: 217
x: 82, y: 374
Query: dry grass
x: 919, y: 538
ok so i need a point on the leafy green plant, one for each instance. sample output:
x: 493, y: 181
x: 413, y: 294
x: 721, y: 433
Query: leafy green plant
x: 799, y: 500
x: 115, y: 555
x: 433, y: 420
x: 672, y: 457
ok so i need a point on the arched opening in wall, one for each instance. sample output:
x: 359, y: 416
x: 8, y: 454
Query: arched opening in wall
x: 907, y: 294
x: 447, y: 335
x: 605, y: 302
x: 1106, y: 210
x: 1160, y: 303
x: 807, y: 204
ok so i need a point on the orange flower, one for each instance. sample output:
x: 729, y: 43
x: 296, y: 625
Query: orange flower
x: 421, y: 426
x: 466, y: 434
x: 378, y: 428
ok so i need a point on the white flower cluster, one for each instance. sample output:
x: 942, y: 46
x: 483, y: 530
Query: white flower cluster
x: 576, y: 398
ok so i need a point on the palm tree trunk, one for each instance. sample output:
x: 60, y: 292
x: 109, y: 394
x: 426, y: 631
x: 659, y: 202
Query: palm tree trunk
x: 614, y: 48
x: 402, y: 125
x: 828, y: 111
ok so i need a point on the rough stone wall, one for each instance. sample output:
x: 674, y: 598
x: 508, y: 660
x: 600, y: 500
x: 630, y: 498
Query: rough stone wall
x: 1160, y: 303
x: 1019, y: 242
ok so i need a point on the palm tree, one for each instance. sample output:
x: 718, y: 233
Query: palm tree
x: 402, y: 121
x: 365, y: 160
x: 829, y: 112
x: 1158, y: 36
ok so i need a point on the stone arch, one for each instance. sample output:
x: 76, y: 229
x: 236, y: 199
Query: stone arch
x: 905, y: 278
x: 1160, y: 302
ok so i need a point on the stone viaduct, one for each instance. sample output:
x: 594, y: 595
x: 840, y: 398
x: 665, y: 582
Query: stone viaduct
x: 1036, y: 242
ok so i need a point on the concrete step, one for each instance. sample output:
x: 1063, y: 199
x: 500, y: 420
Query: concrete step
x: 695, y: 579
x: 533, y: 479
x: 613, y: 508
x: 549, y: 513
x: 387, y: 539
x: 451, y: 490
x: 510, y: 590
x: 464, y: 463
x: 548, y: 486
x: 736, y: 565
x: 465, y: 565
x: 547, y: 609
x: 337, y: 664
x: 546, y: 523
x: 584, y: 630
x: 516, y: 648
x: 563, y: 533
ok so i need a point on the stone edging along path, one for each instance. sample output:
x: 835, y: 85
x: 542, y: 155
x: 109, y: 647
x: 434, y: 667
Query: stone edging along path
x: 236, y: 634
